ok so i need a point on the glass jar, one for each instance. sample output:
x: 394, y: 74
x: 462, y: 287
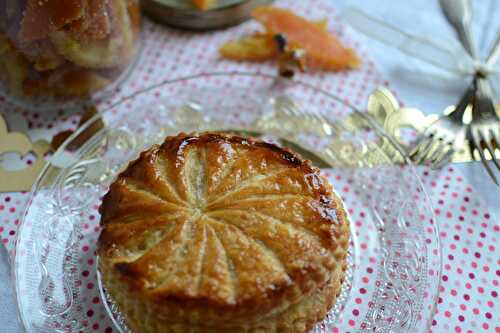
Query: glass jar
x: 65, y: 49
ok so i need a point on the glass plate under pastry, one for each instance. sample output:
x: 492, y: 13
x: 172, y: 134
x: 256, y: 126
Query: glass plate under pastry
x: 394, y: 270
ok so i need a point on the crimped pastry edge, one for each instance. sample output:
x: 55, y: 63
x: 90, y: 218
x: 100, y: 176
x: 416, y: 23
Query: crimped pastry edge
x: 300, y: 318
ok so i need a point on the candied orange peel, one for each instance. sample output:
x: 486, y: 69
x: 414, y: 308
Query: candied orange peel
x: 43, y: 17
x: 323, y: 50
x: 204, y: 4
x: 68, y: 48
x: 257, y: 47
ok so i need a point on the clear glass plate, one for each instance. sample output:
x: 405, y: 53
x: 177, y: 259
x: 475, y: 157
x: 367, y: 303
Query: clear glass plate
x: 395, y: 260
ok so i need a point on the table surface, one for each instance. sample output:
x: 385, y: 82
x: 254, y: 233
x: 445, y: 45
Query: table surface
x: 468, y: 300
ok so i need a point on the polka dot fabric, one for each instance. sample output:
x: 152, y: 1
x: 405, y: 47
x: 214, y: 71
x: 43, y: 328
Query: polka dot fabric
x: 468, y: 300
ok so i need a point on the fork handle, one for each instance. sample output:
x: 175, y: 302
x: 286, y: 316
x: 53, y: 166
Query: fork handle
x: 484, y: 87
x: 464, y: 102
x: 459, y: 13
x: 494, y: 52
x: 465, y: 35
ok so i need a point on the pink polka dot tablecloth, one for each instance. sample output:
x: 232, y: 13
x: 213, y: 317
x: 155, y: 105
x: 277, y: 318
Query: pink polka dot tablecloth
x: 469, y: 233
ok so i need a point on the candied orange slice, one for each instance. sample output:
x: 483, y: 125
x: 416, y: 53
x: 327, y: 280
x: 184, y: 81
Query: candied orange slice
x: 41, y: 54
x: 204, y: 4
x: 80, y: 82
x: 67, y: 82
x: 258, y: 47
x: 323, y: 50
x: 13, y: 66
x: 46, y: 57
x: 115, y: 50
x: 95, y: 23
x: 42, y: 17
x: 322, y: 24
x: 5, y: 44
x: 134, y: 13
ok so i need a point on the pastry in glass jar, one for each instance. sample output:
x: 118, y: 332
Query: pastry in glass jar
x: 55, y: 41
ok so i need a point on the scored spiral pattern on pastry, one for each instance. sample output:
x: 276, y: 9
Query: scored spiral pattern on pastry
x: 220, y: 231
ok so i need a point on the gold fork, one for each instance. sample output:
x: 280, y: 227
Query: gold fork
x: 483, y: 133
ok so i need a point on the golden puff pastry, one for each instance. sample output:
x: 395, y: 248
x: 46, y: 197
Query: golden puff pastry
x: 222, y: 234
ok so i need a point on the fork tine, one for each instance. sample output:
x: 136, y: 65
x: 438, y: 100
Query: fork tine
x: 424, y: 137
x: 486, y: 138
x: 420, y: 140
x: 476, y: 144
x: 443, y: 159
x: 440, y: 146
x: 423, y: 150
x: 437, y: 154
x: 495, y: 132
